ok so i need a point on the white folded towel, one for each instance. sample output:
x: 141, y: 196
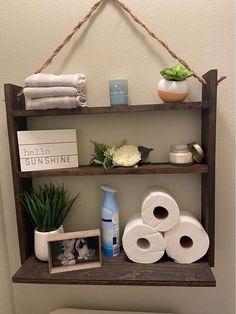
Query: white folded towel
x: 48, y: 80
x: 55, y: 102
x: 58, y: 91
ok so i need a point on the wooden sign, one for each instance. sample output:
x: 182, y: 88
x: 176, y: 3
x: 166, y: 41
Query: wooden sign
x: 74, y: 251
x: 47, y: 149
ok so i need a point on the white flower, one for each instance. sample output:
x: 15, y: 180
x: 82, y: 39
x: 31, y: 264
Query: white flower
x: 126, y: 156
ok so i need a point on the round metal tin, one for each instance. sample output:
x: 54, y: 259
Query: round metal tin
x: 198, y: 154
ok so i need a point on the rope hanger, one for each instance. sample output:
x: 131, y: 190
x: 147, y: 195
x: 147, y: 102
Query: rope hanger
x: 124, y: 8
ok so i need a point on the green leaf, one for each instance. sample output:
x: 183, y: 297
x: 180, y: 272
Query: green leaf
x: 99, y: 149
x: 96, y: 161
x: 104, y: 154
x: 48, y: 208
x: 177, y: 73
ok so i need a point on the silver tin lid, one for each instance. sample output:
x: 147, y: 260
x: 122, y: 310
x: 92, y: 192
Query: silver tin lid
x: 198, y: 154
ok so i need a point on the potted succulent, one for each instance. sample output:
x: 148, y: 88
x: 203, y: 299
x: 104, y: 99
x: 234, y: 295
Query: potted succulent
x: 174, y: 86
x: 47, y: 209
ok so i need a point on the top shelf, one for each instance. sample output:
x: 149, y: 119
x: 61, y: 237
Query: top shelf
x: 110, y: 109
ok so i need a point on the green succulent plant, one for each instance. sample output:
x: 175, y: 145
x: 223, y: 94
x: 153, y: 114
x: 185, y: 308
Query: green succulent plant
x: 48, y: 206
x: 177, y: 73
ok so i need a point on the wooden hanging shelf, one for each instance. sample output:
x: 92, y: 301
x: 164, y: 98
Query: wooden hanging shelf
x: 118, y: 271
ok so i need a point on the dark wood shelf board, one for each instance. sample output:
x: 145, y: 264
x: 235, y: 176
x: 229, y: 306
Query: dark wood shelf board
x: 110, y: 109
x: 152, y: 168
x: 120, y: 271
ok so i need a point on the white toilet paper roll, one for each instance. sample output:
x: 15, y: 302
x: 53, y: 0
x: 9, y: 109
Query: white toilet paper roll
x: 159, y: 209
x: 187, y: 241
x: 141, y: 243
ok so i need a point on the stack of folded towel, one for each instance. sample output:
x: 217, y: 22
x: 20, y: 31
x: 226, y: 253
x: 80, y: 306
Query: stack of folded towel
x: 48, y: 91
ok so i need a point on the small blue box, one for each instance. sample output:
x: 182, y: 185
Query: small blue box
x: 118, y: 90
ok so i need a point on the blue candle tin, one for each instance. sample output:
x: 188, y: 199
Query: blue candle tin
x: 118, y: 90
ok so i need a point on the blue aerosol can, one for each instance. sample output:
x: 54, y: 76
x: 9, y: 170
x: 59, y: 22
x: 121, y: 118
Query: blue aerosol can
x: 110, y: 222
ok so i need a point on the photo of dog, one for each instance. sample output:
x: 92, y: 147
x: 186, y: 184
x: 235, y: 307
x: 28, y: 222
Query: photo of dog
x: 73, y: 251
x: 67, y: 257
x: 82, y: 249
x: 78, y: 250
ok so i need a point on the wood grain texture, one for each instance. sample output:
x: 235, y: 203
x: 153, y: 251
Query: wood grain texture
x: 152, y: 168
x: 209, y: 92
x: 25, y: 230
x: 20, y: 111
x: 120, y: 271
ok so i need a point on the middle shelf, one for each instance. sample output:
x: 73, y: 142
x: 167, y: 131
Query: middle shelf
x: 86, y: 170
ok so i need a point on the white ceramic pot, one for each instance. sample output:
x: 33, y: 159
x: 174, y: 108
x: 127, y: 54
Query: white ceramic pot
x: 172, y: 91
x: 41, y: 244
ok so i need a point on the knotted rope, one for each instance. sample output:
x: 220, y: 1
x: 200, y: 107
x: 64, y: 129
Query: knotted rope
x: 160, y: 41
x: 138, y: 21
x: 68, y: 38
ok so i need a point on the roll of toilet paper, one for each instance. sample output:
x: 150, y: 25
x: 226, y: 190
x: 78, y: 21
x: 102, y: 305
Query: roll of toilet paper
x: 159, y: 209
x: 186, y: 242
x: 142, y: 243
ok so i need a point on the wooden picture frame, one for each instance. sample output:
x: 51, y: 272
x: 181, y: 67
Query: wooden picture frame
x: 74, y: 251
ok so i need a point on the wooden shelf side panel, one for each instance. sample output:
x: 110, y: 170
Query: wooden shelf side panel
x: 209, y: 93
x: 25, y: 230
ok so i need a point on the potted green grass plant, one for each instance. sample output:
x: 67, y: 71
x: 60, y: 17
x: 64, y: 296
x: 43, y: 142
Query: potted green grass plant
x: 47, y: 209
x: 174, y: 86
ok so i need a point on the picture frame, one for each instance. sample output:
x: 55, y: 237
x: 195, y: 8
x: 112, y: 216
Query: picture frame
x: 74, y: 251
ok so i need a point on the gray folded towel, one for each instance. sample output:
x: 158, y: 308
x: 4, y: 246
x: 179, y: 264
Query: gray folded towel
x: 48, y: 80
x: 58, y: 91
x: 55, y: 102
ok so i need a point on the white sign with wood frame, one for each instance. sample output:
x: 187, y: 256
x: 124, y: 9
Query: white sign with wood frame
x: 74, y: 251
x: 47, y: 149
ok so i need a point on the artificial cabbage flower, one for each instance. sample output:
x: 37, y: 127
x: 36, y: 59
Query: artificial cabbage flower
x: 126, y: 156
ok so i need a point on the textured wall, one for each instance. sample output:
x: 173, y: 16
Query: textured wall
x: 111, y: 46
x: 7, y: 303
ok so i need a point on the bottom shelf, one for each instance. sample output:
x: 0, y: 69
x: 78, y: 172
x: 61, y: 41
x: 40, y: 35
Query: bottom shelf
x: 120, y: 271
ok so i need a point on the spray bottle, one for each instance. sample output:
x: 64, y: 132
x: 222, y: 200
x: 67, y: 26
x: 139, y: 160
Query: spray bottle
x: 110, y: 222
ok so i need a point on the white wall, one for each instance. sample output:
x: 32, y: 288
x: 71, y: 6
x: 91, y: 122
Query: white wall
x: 110, y: 46
x: 7, y: 303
